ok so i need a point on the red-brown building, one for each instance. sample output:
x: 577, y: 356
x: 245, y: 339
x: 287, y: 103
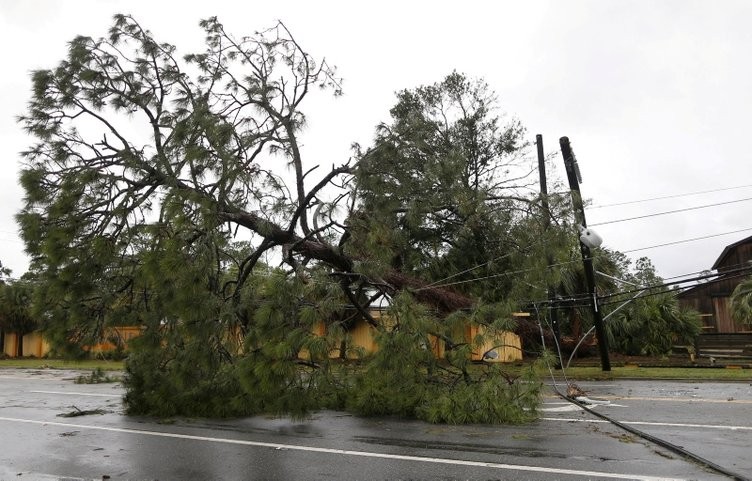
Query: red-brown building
x: 712, y: 299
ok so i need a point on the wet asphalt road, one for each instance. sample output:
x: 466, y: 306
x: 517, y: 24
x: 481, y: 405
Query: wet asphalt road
x: 713, y: 420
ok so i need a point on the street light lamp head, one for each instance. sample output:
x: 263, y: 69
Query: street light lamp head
x: 590, y: 238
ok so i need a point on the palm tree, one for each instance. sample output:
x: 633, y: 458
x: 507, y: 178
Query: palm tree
x: 741, y: 302
x: 15, y: 312
x: 647, y: 325
x: 652, y: 325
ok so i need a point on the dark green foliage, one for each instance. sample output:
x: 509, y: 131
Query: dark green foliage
x: 652, y: 326
x: 164, y: 383
x: 492, y: 399
x: 395, y: 379
x: 652, y: 323
x: 444, y: 185
x: 248, y: 363
x: 404, y: 377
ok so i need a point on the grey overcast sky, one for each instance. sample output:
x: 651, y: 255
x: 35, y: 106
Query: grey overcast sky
x: 656, y: 96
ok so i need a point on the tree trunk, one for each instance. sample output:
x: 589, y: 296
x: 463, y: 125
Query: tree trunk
x: 19, y: 345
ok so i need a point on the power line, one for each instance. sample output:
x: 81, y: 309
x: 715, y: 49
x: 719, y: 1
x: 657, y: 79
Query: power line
x: 670, y: 212
x: 668, y: 290
x: 437, y: 284
x: 575, y: 300
x: 687, y: 240
x: 705, y: 271
x: 434, y: 283
x: 738, y: 270
x: 669, y: 197
x: 491, y: 276
x: 730, y: 274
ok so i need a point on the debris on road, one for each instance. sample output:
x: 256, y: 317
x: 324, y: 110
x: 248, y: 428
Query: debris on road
x: 85, y: 412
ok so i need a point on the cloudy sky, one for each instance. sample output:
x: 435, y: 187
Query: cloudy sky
x: 656, y: 96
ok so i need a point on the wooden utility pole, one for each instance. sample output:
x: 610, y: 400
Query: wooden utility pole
x: 573, y: 175
x: 546, y: 225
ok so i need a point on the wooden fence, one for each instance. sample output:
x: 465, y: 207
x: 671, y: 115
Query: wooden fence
x: 726, y: 345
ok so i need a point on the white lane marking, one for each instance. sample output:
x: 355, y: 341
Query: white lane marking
x: 562, y: 409
x: 647, y: 423
x: 367, y: 454
x: 570, y: 407
x: 679, y: 400
x: 72, y: 393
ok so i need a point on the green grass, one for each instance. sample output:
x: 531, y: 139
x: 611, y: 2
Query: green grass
x: 679, y: 373
x: 31, y: 363
x: 576, y: 373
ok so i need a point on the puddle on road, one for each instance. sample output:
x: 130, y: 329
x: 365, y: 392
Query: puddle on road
x: 296, y: 430
x: 462, y: 447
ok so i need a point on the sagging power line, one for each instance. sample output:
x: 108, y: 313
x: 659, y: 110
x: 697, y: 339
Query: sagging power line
x: 671, y: 212
x: 686, y: 240
x: 674, y: 196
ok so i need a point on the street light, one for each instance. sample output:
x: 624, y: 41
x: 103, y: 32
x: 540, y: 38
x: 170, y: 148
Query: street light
x: 590, y: 238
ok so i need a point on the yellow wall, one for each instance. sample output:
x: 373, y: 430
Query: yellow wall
x: 362, y: 335
x: 9, y: 348
x: 33, y: 345
x: 123, y: 334
x: 506, y: 344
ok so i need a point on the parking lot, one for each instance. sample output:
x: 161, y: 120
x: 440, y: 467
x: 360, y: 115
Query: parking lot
x: 713, y: 420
